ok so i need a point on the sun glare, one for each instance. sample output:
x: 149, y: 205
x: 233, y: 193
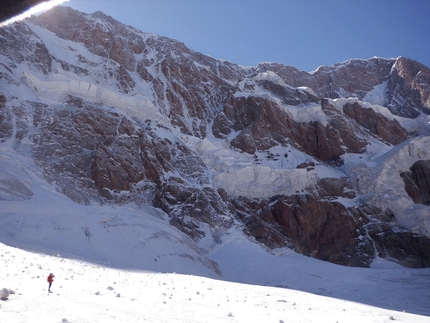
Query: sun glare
x: 36, y: 9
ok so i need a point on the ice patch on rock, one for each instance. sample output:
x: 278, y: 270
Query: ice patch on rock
x: 377, y: 95
x: 306, y: 113
x: 59, y: 86
x: 262, y: 181
x: 270, y: 76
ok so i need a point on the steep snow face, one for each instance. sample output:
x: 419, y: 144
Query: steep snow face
x: 377, y: 95
x: 381, y: 182
x: 182, y: 84
x: 78, y: 72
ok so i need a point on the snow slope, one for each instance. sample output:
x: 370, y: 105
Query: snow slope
x: 120, y: 236
x: 88, y: 292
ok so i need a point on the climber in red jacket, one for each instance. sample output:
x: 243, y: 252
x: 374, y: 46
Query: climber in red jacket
x: 50, y: 280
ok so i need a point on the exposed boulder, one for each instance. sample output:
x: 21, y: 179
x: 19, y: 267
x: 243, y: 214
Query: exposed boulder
x: 4, y: 294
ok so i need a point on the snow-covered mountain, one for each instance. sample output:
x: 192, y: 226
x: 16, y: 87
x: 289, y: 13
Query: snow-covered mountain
x: 113, y: 134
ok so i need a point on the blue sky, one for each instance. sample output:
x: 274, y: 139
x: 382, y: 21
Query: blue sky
x: 301, y: 33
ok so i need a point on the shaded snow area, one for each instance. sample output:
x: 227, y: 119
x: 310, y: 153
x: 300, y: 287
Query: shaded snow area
x: 114, y: 235
x: 89, y: 292
x: 124, y: 264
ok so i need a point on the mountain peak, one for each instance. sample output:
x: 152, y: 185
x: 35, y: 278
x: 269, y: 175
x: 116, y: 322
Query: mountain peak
x: 326, y: 163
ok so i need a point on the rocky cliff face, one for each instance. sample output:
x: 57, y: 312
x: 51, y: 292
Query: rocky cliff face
x: 404, y: 81
x: 332, y: 164
x: 417, y: 182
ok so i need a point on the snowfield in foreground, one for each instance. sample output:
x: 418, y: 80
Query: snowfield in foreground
x: 87, y: 292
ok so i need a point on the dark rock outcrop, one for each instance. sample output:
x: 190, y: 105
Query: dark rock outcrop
x: 407, y: 248
x: 263, y: 124
x: 324, y: 230
x: 354, y: 77
x: 92, y: 153
x: 327, y: 230
x: 388, y: 130
x: 417, y: 182
x: 408, y: 93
